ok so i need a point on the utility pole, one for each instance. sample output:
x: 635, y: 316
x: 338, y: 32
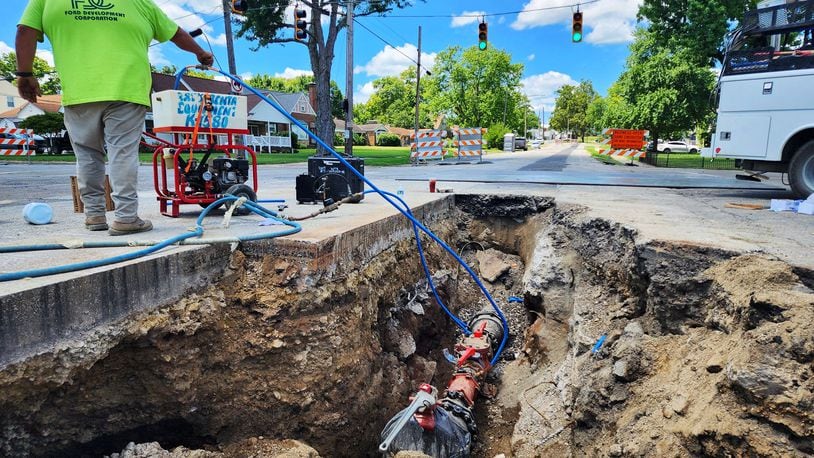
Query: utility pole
x: 230, y: 43
x: 417, y: 84
x: 349, y: 81
x: 505, y: 102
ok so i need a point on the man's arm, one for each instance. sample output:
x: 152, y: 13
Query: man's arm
x: 26, y: 48
x: 184, y: 40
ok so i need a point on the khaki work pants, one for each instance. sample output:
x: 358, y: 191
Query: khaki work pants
x: 116, y: 127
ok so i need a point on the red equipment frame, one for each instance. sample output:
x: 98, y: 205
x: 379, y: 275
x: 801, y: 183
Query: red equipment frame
x: 171, y: 195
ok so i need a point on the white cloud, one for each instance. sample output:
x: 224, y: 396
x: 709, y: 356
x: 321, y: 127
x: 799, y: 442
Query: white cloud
x: 362, y: 93
x: 392, y: 61
x: 531, y: 57
x: 607, y: 22
x: 43, y: 54
x: 466, y: 18
x: 46, y: 55
x: 542, y: 89
x: 190, y: 15
x: 293, y: 73
x: 220, y: 40
x: 157, y: 57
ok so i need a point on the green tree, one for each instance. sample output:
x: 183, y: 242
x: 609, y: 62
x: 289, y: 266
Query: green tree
x: 44, y: 124
x: 173, y: 70
x: 265, y: 23
x: 298, y: 84
x: 698, y: 26
x: 571, y: 108
x: 46, y: 75
x: 477, y: 88
x: 663, y: 91
x: 393, y: 102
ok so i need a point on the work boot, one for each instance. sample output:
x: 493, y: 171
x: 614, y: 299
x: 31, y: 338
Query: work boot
x: 96, y: 223
x: 139, y: 225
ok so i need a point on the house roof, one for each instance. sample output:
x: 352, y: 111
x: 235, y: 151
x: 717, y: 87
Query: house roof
x: 286, y: 100
x: 400, y: 131
x: 340, y: 125
x: 14, y: 112
x: 49, y: 103
x: 46, y: 103
x: 372, y: 127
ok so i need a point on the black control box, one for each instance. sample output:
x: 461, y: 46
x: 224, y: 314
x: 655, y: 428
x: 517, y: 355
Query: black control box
x: 328, y: 178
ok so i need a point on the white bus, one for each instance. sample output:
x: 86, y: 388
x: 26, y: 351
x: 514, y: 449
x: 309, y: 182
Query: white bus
x: 766, y: 94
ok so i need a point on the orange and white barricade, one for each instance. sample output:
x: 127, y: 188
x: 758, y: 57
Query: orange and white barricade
x: 17, y: 146
x: 469, y: 142
x: 623, y: 153
x: 429, y: 145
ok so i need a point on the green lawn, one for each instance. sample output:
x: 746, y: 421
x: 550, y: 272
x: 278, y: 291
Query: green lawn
x: 593, y: 150
x: 692, y: 161
x: 373, y: 155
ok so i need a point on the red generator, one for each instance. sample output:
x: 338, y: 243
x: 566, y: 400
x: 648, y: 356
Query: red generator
x: 201, y: 163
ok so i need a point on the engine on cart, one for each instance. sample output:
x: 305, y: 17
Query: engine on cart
x: 216, y: 177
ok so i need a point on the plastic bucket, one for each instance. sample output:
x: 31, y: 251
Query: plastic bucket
x: 38, y: 213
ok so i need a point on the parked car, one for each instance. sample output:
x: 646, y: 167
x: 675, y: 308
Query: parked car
x: 536, y: 144
x: 520, y: 143
x: 674, y: 146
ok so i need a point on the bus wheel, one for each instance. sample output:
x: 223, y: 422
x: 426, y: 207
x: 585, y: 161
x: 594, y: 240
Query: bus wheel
x: 801, y: 171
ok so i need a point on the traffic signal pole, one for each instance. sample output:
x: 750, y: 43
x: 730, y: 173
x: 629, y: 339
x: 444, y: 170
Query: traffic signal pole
x: 230, y: 42
x: 417, y: 84
x: 349, y: 82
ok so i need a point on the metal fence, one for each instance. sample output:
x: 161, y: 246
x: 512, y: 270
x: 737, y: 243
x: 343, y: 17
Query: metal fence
x: 689, y: 161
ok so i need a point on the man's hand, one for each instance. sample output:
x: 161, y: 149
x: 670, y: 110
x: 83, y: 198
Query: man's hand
x: 29, y: 88
x: 206, y: 58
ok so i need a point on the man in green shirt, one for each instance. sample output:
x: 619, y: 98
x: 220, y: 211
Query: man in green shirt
x: 100, y: 51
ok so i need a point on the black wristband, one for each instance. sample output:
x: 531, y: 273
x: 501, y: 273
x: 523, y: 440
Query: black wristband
x: 24, y: 74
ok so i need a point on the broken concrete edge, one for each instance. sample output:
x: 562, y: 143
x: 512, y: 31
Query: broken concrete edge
x: 56, y: 317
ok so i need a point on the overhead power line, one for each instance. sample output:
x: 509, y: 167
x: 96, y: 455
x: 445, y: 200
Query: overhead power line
x: 502, y: 13
x: 389, y: 44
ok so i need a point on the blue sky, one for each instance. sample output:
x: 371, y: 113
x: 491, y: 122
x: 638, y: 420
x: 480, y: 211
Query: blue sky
x: 540, y: 39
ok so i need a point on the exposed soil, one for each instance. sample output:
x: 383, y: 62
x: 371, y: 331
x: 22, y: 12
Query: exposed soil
x: 706, y: 352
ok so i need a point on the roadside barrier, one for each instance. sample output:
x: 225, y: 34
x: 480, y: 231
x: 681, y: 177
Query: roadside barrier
x: 626, y: 153
x: 27, y: 144
x: 469, y: 142
x: 428, y: 146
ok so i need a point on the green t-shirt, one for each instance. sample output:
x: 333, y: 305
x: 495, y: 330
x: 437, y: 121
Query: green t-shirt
x: 100, y: 46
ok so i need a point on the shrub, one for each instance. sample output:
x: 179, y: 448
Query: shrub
x: 359, y: 140
x: 339, y: 140
x: 494, y: 137
x: 388, y: 140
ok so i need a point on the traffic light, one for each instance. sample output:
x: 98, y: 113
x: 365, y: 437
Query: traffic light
x: 240, y: 6
x: 576, y: 28
x: 483, y: 34
x: 299, y: 24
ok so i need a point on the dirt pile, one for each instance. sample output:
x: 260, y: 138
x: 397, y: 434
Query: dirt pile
x: 255, y: 447
x: 705, y: 353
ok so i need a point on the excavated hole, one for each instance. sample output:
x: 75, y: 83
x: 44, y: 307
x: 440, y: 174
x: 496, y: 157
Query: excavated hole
x: 285, y: 348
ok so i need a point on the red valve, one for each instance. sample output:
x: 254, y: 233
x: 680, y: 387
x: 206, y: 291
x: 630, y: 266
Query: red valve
x: 467, y: 354
x: 479, y: 331
x: 425, y: 387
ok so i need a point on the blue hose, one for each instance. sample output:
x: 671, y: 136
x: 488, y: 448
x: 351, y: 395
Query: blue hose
x: 427, y: 273
x: 197, y: 232
x: 376, y: 189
